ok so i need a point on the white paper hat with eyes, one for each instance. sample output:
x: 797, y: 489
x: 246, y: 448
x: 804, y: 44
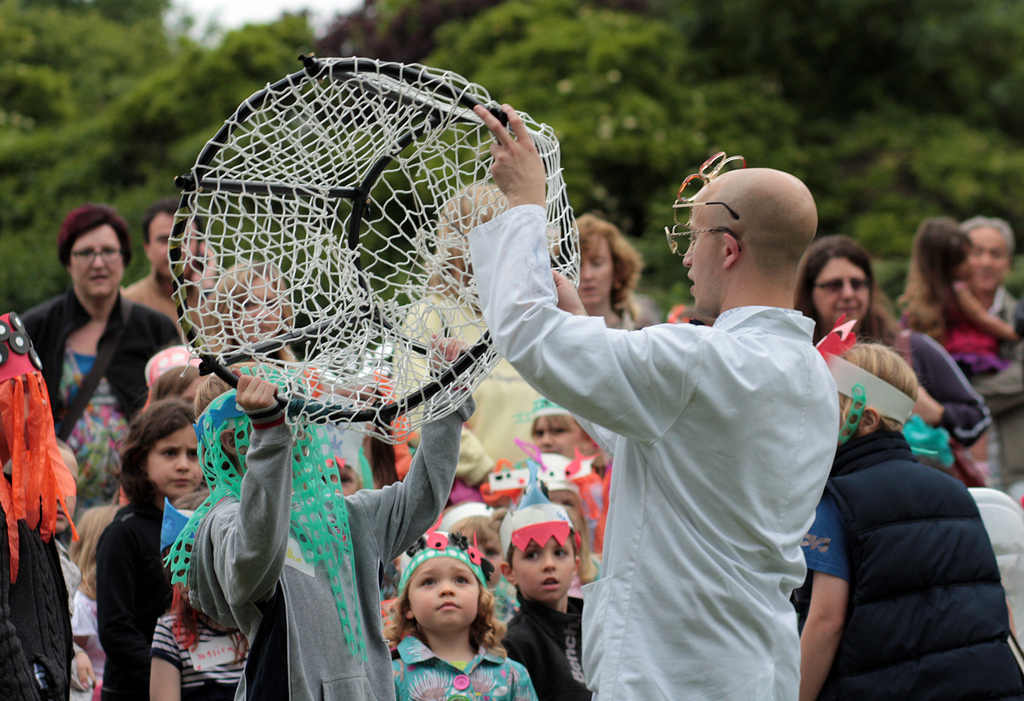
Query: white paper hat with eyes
x: 535, y: 519
x: 559, y: 472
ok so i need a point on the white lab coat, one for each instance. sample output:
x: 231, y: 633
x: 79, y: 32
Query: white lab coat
x: 725, y: 437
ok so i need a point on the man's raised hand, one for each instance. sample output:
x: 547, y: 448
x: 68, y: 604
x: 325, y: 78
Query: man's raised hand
x: 517, y: 168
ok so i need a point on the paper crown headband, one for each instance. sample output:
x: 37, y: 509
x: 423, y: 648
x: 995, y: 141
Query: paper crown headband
x: 546, y: 407
x: 536, y: 519
x: 440, y: 544
x: 17, y: 356
x: 168, y: 359
x: 173, y: 523
x: 855, y: 382
x: 877, y: 393
x: 556, y: 470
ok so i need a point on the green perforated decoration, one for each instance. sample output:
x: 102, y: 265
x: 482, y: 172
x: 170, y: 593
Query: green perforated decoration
x: 319, y: 522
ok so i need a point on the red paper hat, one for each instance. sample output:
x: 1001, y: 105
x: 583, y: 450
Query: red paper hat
x: 17, y: 356
x: 840, y: 339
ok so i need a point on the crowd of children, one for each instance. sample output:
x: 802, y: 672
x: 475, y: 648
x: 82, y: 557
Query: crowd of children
x: 247, y: 558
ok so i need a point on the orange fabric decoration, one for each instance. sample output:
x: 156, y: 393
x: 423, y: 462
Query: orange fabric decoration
x: 39, y: 478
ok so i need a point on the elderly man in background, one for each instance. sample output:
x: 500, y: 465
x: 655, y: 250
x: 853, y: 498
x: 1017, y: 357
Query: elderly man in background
x: 992, y: 247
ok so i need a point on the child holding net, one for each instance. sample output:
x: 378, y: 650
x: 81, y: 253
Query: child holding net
x: 279, y: 553
x: 446, y: 630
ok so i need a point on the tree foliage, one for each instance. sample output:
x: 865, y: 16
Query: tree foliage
x: 112, y: 119
x: 890, y: 110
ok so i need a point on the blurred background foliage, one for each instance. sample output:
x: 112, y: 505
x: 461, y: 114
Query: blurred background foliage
x: 890, y: 110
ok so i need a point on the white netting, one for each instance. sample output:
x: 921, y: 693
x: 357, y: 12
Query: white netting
x: 322, y: 232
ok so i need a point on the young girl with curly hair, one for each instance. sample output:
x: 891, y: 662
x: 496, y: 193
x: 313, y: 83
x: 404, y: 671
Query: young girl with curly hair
x: 446, y: 630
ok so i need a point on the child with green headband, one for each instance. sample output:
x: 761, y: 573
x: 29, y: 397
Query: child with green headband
x: 447, y: 633
x: 903, y: 597
x: 278, y: 552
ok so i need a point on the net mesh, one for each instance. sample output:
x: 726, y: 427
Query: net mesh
x: 322, y: 233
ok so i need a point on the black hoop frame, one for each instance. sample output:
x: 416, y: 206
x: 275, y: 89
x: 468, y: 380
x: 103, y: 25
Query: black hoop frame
x: 195, y: 181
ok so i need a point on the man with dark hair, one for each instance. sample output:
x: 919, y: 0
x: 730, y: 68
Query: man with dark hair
x: 155, y: 289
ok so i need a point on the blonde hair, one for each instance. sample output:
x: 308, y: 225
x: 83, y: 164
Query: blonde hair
x: 885, y: 364
x: 210, y: 388
x: 487, y: 630
x: 83, y: 551
x: 485, y: 528
x: 588, y: 569
x: 229, y: 296
x: 473, y: 206
x: 626, y: 262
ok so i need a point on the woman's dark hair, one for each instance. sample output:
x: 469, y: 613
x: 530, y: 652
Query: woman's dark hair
x: 86, y: 218
x: 879, y: 324
x: 158, y: 420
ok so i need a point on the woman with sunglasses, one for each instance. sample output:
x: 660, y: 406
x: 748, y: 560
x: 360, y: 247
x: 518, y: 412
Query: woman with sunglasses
x: 88, y: 326
x: 836, y: 278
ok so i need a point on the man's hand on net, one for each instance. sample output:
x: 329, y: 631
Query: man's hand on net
x: 517, y: 168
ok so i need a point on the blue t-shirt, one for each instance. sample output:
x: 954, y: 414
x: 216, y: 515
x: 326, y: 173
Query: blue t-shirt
x: 825, y: 545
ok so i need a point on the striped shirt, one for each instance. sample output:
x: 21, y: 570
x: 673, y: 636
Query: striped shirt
x: 208, y: 669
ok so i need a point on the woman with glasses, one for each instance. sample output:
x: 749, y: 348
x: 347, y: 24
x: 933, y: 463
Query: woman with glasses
x: 836, y: 278
x: 91, y: 326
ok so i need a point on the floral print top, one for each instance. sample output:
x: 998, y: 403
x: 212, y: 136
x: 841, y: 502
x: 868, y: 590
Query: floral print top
x: 420, y: 675
x: 98, y: 434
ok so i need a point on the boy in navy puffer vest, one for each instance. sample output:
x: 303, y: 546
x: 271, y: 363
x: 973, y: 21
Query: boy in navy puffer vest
x: 903, y: 599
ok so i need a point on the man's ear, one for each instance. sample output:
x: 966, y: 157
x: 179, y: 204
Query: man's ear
x: 732, y: 250
x: 506, y: 569
x: 870, y: 422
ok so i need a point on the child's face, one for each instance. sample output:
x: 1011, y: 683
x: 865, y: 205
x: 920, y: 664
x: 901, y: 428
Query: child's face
x: 349, y: 481
x: 172, y: 465
x: 561, y: 436
x: 70, y: 499
x: 492, y: 551
x: 444, y: 596
x: 567, y: 498
x: 544, y: 574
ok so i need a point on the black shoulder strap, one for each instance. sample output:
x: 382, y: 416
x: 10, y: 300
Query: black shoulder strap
x: 104, y: 354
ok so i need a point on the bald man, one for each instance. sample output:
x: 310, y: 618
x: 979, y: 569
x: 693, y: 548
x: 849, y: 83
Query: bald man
x: 722, y: 435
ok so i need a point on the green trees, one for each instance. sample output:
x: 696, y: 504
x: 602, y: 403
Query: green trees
x: 99, y: 104
x: 890, y: 110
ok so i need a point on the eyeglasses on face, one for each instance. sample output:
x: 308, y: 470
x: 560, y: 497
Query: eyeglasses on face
x: 836, y: 286
x: 108, y: 255
x: 676, y: 232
